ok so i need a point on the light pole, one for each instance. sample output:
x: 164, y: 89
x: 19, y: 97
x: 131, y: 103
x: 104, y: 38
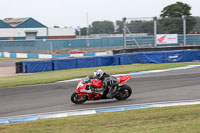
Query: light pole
x: 184, y: 30
x: 155, y: 31
x: 124, y: 32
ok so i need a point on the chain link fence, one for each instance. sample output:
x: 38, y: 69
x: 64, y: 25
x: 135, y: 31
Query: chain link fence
x: 186, y: 28
x: 138, y: 32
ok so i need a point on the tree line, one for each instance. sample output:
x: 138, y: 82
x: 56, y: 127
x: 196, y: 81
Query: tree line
x: 169, y: 22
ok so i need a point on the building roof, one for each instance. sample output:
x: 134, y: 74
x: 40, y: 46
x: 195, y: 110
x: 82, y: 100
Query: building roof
x: 26, y: 22
x: 4, y: 25
x: 14, y: 22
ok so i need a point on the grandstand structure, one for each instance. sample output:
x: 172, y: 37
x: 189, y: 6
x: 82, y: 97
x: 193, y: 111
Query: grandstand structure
x: 30, y: 29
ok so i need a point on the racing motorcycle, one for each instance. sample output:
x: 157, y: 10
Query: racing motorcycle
x: 87, y: 90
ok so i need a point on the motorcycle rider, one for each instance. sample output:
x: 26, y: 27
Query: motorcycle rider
x: 110, y: 83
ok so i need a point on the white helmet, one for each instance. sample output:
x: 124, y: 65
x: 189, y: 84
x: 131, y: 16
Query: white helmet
x: 98, y: 73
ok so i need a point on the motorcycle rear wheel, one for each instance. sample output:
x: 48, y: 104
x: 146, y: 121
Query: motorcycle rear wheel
x: 74, y: 98
x: 124, y: 92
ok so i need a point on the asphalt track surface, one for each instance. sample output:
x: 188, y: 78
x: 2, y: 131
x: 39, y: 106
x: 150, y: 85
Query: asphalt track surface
x: 7, y: 63
x: 148, y: 88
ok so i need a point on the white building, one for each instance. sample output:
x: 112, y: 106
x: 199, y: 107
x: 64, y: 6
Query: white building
x: 29, y: 29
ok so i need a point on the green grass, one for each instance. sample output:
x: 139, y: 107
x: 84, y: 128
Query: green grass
x: 14, y: 59
x: 179, y: 119
x: 53, y: 76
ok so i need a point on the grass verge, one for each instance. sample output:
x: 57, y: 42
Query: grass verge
x: 14, y: 59
x: 178, y: 119
x: 53, y: 76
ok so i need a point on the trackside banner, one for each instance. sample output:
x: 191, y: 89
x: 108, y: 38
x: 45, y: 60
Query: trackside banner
x: 167, y: 38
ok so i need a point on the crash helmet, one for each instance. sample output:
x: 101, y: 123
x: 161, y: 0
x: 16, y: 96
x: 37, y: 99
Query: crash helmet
x: 98, y: 73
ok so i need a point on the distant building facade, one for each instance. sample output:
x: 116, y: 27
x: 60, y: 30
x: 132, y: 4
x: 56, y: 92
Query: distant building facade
x: 30, y: 29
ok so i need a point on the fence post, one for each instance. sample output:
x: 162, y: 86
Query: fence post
x: 155, y: 30
x: 51, y: 47
x: 184, y: 30
x: 124, y: 32
x: 87, y: 31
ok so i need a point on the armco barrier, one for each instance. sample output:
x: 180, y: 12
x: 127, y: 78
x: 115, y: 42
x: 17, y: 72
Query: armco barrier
x: 37, y: 66
x: 195, y: 55
x: 120, y: 51
x: 157, y: 57
x: 140, y: 57
x: 174, y: 56
x: 105, y: 61
x: 61, y: 64
x: 87, y: 62
x: 120, y: 59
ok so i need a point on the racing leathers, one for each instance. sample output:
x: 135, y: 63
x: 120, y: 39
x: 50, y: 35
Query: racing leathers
x: 110, y: 85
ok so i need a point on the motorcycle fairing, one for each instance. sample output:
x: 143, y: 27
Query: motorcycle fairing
x: 124, y: 79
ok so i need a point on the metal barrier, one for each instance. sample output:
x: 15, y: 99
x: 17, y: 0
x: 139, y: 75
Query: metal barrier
x: 120, y: 59
x: 101, y: 44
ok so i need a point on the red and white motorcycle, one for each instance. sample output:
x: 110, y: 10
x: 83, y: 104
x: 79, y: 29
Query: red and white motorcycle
x: 85, y: 86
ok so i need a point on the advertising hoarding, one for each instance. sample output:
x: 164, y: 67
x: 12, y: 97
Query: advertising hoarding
x: 167, y: 39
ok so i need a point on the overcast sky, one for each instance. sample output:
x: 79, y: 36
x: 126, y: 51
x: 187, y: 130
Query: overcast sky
x: 72, y: 13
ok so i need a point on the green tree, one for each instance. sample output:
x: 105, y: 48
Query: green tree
x: 136, y: 26
x: 83, y: 31
x: 170, y: 25
x: 171, y: 18
x: 102, y: 27
x: 197, y: 26
x: 119, y: 27
x: 176, y: 10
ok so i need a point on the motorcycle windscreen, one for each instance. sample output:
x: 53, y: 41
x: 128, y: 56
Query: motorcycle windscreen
x: 123, y: 79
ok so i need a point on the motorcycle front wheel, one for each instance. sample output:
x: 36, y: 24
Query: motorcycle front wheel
x: 74, y: 98
x: 124, y: 92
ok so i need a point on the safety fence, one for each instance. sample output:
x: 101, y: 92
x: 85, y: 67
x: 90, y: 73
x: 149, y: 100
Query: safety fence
x: 159, y: 27
x: 59, y: 46
x: 86, y: 45
x: 118, y: 59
